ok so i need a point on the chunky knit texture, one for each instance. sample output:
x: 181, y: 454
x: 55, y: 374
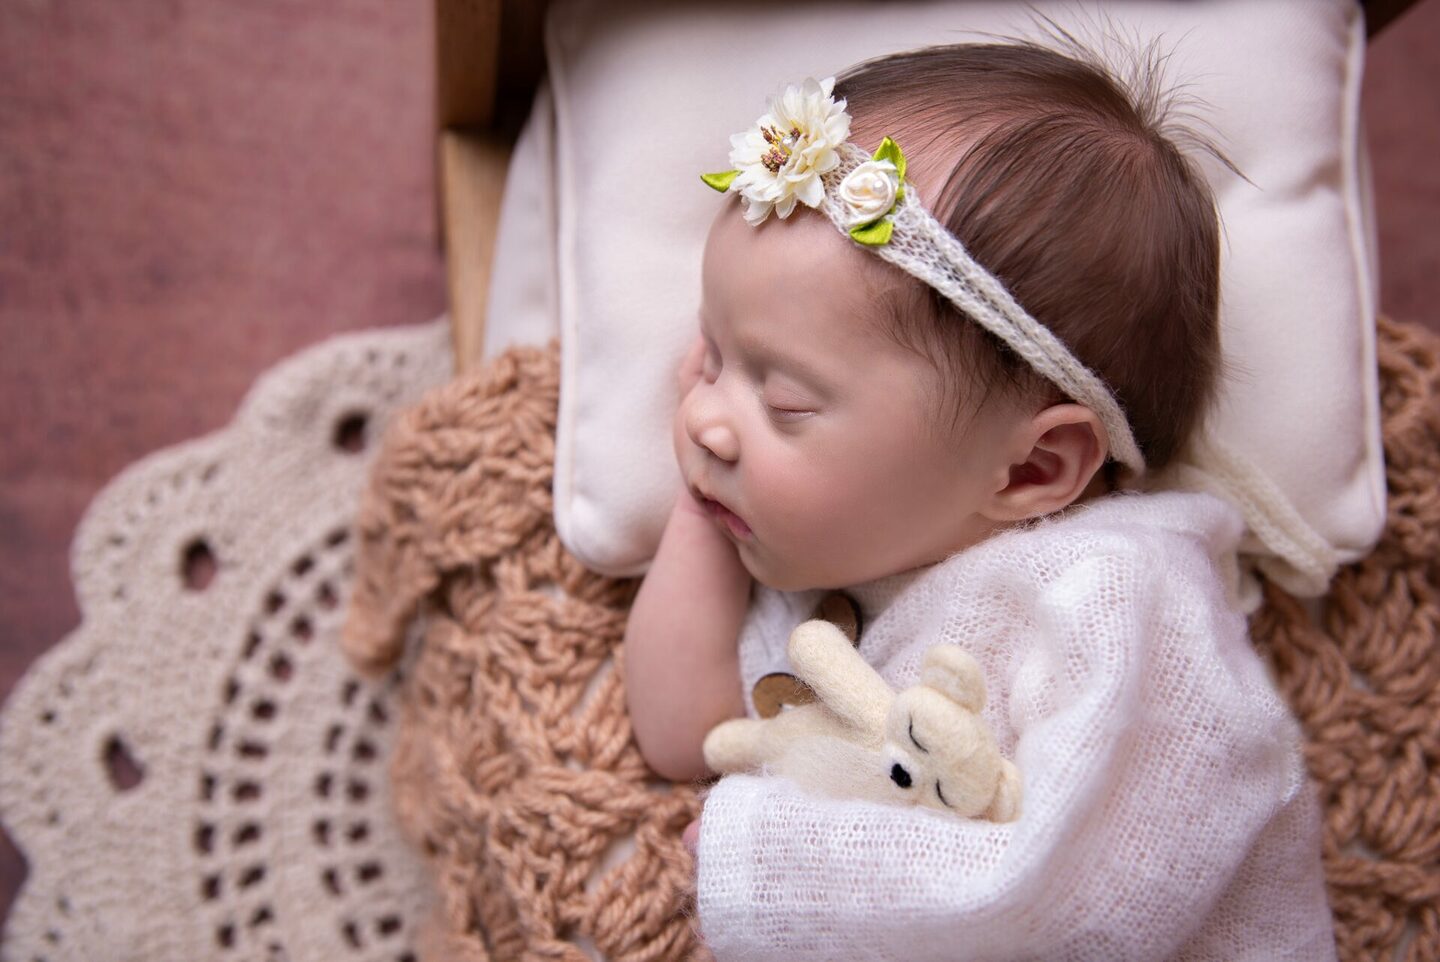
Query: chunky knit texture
x: 514, y: 766
x: 516, y: 772
x: 1365, y: 682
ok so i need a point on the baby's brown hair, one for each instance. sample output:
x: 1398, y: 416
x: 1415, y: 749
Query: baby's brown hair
x: 1071, y: 189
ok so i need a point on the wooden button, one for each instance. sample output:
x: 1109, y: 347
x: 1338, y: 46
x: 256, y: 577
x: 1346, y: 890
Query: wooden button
x: 777, y: 689
x: 843, y: 612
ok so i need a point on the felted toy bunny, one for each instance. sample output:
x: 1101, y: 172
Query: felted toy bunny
x: 925, y: 745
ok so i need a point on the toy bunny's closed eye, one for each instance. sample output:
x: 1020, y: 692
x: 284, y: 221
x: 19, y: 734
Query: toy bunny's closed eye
x: 925, y: 745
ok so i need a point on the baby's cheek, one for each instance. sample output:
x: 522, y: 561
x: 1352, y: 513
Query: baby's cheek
x: 679, y: 437
x: 815, y: 507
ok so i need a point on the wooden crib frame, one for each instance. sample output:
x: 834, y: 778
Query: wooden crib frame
x: 489, y: 56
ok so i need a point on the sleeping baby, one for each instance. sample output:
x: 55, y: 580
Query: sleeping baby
x: 962, y: 308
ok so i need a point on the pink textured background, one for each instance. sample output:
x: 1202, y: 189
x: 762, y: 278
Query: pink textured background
x: 191, y: 191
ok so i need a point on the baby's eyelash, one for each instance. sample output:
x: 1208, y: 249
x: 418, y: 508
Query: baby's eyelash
x: 787, y: 415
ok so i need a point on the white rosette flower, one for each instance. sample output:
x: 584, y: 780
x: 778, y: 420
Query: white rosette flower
x: 780, y: 160
x: 869, y: 191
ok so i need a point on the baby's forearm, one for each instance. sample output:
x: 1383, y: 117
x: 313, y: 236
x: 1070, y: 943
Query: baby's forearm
x: 682, y: 674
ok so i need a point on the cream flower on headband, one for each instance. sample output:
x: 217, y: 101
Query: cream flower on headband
x: 870, y: 193
x: 779, y: 160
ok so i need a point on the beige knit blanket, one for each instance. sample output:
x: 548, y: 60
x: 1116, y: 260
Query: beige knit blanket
x: 516, y: 774
x: 195, y: 772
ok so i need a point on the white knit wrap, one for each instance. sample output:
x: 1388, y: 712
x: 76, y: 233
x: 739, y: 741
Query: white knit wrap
x: 924, y: 249
x: 1166, y: 815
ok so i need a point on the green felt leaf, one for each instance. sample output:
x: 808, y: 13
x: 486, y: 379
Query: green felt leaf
x: 722, y: 180
x: 874, y: 234
x: 889, y: 150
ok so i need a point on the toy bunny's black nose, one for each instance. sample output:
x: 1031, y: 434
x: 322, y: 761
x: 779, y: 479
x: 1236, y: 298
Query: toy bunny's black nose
x: 900, y: 776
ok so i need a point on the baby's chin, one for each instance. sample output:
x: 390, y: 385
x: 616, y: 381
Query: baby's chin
x: 771, y: 576
x: 797, y: 577
x: 782, y: 584
x: 787, y: 578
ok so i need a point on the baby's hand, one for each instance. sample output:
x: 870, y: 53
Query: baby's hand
x: 692, y: 366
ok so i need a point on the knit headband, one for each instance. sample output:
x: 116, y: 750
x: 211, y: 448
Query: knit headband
x: 798, y: 152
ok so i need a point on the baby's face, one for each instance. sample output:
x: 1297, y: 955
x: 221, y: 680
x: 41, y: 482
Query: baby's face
x: 809, y: 423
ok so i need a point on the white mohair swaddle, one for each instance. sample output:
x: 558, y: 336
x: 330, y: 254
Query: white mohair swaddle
x: 1166, y: 810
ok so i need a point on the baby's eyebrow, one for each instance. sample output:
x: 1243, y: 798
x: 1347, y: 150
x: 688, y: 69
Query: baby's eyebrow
x: 772, y: 358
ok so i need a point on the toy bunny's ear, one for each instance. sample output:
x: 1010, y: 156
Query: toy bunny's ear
x: 953, y: 672
x: 1005, y: 806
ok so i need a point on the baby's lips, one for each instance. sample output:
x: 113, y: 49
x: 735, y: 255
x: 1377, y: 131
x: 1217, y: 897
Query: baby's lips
x: 721, y: 513
x: 729, y: 518
x: 737, y: 524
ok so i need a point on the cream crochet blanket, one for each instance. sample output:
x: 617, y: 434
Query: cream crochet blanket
x: 195, y: 772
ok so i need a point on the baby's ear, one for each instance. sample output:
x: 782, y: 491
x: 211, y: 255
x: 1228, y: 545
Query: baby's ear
x: 1062, y: 448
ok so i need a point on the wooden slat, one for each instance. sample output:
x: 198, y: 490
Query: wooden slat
x: 472, y: 173
x: 467, y: 61
x: 1379, y: 14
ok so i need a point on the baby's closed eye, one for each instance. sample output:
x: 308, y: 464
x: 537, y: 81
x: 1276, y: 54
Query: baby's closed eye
x: 787, y: 405
x: 787, y: 415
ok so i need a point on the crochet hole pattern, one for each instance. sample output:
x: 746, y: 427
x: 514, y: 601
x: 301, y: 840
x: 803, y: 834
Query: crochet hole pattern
x: 198, y: 565
x: 159, y: 766
x: 124, y: 771
x: 350, y: 432
x: 227, y: 834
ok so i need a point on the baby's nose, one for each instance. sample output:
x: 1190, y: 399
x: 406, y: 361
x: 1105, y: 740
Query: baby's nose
x: 720, y: 441
x: 708, y: 429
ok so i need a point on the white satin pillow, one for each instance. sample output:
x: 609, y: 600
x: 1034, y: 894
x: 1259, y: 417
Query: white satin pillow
x: 605, y: 219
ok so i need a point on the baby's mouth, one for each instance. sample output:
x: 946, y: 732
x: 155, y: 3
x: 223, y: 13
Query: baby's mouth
x: 732, y: 521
